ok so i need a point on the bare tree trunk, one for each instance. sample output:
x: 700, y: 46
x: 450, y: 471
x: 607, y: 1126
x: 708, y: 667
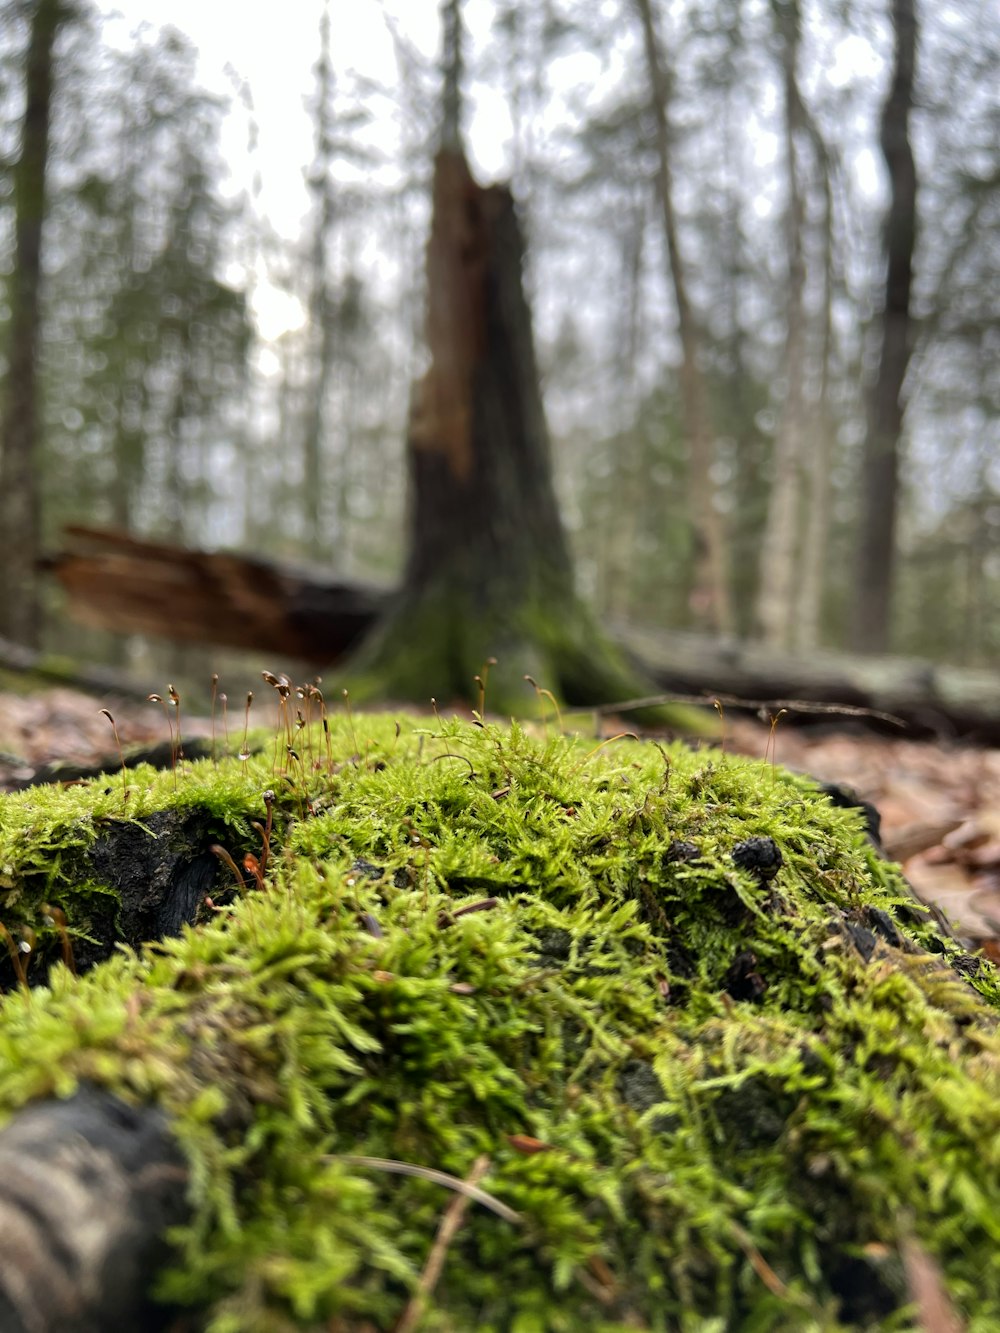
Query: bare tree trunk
x: 19, y: 444
x: 488, y: 574
x: 322, y: 310
x: 779, y: 550
x: 808, y: 621
x: 876, y: 554
x: 452, y: 68
x: 710, y: 592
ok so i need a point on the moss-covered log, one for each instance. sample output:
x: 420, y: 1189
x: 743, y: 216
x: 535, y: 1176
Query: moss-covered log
x: 697, y: 1058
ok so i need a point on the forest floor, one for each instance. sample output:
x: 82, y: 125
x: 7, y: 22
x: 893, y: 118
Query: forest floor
x: 939, y: 801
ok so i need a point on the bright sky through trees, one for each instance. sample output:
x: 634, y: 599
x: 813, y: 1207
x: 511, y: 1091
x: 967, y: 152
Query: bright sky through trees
x: 272, y: 63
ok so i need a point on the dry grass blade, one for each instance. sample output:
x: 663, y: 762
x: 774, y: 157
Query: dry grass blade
x: 759, y: 1264
x: 430, y: 1173
x: 451, y: 1221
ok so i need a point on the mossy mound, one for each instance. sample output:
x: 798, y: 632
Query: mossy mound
x: 723, y: 1071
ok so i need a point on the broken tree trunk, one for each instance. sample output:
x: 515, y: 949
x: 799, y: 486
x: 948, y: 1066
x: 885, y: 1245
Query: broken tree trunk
x: 488, y: 572
x: 127, y: 584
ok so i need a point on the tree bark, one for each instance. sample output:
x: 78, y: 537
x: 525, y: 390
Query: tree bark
x: 780, y: 543
x: 322, y: 311
x: 19, y: 448
x: 710, y: 600
x: 876, y: 550
x: 452, y: 67
x: 88, y: 1189
x: 808, y: 620
x: 488, y: 572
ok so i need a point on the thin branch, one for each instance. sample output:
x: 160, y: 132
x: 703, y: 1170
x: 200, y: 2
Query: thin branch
x: 735, y: 701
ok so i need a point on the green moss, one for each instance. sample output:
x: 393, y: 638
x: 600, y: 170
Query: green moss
x: 715, y: 1090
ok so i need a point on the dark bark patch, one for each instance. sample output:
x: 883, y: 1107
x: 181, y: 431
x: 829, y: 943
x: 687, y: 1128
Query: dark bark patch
x: 88, y: 1189
x: 868, y: 1286
x: 862, y: 938
x: 680, y: 850
x: 361, y: 866
x: 846, y: 798
x: 754, y: 1114
x: 554, y: 946
x: 882, y: 923
x: 640, y: 1089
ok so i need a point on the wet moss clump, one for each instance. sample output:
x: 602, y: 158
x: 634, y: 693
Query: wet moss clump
x: 713, y: 1068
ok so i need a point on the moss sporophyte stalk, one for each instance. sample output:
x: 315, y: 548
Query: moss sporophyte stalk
x: 664, y: 1021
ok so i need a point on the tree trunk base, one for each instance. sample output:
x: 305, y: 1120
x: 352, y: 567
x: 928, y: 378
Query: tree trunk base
x: 433, y: 646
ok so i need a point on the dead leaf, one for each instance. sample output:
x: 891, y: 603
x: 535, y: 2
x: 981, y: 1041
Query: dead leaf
x: 912, y: 839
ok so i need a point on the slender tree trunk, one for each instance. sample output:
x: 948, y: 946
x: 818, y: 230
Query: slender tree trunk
x: 876, y: 553
x: 750, y: 456
x: 779, y: 550
x: 808, y: 621
x: 710, y: 592
x: 19, y: 461
x: 181, y: 521
x: 322, y: 309
x: 452, y: 69
x: 630, y: 484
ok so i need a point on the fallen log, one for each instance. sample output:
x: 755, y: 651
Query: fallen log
x: 925, y: 698
x: 129, y: 585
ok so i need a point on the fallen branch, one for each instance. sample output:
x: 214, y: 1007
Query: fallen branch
x: 454, y: 1216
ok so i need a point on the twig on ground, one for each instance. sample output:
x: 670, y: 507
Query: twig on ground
x: 451, y: 1220
x: 735, y: 701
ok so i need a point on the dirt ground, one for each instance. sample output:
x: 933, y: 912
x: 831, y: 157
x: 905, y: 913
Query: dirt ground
x: 939, y: 801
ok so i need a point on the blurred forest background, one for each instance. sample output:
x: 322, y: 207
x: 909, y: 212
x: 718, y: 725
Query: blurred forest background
x: 763, y: 241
